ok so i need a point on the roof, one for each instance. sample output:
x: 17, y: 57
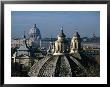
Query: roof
x: 61, y: 34
x: 57, y: 66
x: 75, y: 34
x: 23, y: 47
x: 34, y: 30
x: 76, y: 55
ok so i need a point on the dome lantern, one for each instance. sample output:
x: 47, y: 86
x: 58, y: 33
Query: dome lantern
x: 61, y: 44
x: 61, y: 34
x: 34, y: 26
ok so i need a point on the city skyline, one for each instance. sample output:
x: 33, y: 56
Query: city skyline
x: 49, y: 23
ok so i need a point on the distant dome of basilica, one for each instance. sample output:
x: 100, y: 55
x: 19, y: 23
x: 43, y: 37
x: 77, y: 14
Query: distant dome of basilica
x: 34, y: 30
x: 35, y: 36
x: 34, y: 33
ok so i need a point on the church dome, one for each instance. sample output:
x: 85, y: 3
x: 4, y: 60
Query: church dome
x: 61, y: 37
x: 34, y: 30
x: 35, y: 36
x: 57, y: 66
x: 34, y: 33
x: 61, y: 34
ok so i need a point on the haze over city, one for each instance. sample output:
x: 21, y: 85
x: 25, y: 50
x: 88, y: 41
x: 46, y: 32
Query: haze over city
x: 50, y: 22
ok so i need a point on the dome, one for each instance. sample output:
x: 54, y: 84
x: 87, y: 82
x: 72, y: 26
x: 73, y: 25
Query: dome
x: 61, y: 34
x: 35, y: 36
x: 61, y: 37
x: 34, y: 31
x: 57, y: 66
x: 76, y: 34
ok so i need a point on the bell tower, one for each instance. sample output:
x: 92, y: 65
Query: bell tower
x: 75, y: 43
x: 61, y: 45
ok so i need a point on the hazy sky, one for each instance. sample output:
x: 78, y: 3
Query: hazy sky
x: 49, y: 23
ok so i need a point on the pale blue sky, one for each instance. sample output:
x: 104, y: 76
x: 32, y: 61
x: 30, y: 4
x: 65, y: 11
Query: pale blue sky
x: 49, y: 23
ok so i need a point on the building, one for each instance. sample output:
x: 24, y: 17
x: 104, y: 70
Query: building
x: 32, y: 40
x: 61, y: 63
x: 62, y: 58
x: 35, y: 36
x: 61, y: 44
x: 23, y: 58
x: 75, y: 43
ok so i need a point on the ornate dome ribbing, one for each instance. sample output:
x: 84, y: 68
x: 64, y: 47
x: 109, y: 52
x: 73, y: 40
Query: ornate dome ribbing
x: 57, y: 66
